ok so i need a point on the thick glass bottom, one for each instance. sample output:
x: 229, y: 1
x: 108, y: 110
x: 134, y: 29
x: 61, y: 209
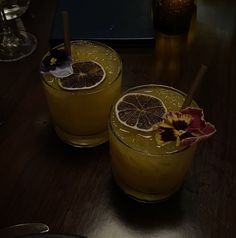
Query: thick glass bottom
x: 82, y: 141
x: 145, y: 197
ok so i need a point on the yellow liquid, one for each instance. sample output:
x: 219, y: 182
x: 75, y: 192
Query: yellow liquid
x: 141, y: 168
x: 80, y: 117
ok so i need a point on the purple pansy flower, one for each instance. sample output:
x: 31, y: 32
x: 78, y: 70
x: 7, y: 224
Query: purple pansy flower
x: 58, y: 63
x: 56, y: 58
x: 186, y: 127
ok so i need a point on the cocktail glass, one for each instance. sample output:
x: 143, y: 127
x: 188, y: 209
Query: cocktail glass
x: 80, y: 116
x: 142, y: 169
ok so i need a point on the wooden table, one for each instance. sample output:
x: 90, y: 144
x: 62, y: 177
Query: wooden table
x: 72, y: 190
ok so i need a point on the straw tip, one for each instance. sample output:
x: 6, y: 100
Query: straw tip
x: 204, y: 67
x: 63, y: 12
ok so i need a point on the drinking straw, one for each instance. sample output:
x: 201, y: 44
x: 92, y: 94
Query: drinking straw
x: 65, y: 17
x: 196, y: 82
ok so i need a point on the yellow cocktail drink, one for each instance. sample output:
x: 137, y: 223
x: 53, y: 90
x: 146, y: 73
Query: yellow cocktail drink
x: 80, y: 114
x: 141, y: 167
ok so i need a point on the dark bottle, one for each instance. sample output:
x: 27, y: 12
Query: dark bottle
x: 172, y: 16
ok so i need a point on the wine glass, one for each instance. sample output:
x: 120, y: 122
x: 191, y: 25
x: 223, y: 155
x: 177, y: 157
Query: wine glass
x: 15, y: 44
x: 15, y: 8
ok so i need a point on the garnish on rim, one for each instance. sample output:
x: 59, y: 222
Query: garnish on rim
x: 87, y: 75
x: 139, y: 111
x: 186, y: 127
x: 72, y: 76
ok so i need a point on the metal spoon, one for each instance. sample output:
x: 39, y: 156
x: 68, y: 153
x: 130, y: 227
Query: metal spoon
x: 23, y: 229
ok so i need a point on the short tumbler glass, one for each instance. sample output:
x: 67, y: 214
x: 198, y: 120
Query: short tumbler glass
x: 143, y: 170
x: 80, y: 117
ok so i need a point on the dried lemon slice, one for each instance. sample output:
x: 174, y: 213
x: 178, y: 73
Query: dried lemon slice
x: 140, y: 111
x: 87, y: 75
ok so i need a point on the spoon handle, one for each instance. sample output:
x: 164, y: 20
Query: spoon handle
x: 23, y: 229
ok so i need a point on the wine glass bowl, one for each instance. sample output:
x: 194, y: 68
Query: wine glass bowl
x: 15, y: 8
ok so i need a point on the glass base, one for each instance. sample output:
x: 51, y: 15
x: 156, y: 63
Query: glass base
x: 16, y: 48
x: 82, y: 141
x: 145, y: 197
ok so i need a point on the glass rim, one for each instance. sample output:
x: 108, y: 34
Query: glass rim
x: 129, y: 146
x: 86, y: 91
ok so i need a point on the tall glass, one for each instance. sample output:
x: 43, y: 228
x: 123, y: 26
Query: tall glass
x: 142, y: 169
x: 80, y: 117
x: 171, y: 16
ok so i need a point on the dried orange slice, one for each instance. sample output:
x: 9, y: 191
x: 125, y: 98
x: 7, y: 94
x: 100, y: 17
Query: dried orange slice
x: 139, y: 111
x: 87, y: 75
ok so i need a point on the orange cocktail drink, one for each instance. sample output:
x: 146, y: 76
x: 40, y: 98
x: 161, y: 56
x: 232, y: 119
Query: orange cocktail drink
x: 148, y: 161
x: 79, y: 101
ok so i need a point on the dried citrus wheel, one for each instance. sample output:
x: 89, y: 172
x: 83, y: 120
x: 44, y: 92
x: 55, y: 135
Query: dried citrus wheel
x: 139, y: 111
x: 87, y: 74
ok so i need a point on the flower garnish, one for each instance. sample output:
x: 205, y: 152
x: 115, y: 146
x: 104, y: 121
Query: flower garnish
x: 58, y: 63
x: 186, y: 127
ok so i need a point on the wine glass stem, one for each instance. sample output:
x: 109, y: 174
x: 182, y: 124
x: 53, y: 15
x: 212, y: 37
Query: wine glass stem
x: 9, y: 41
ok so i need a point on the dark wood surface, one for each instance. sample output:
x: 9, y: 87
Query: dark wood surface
x: 72, y: 190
